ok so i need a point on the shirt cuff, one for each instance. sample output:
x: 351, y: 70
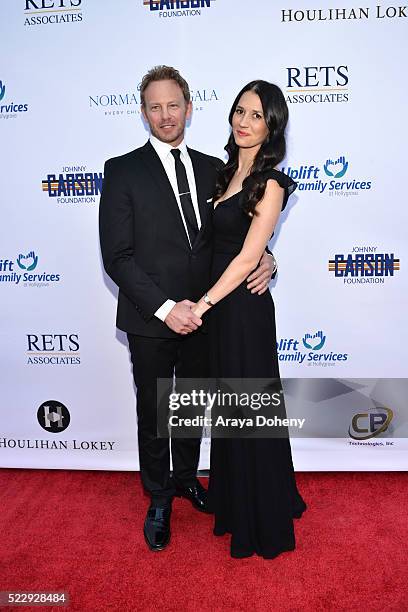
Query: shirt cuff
x: 162, y: 312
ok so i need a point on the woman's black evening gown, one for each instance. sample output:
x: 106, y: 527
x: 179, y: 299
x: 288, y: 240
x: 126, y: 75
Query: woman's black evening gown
x: 252, y: 489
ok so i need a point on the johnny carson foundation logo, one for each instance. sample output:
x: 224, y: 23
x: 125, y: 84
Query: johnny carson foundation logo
x: 309, y: 350
x: 46, y: 12
x: 369, y: 424
x: 73, y: 185
x: 343, y: 14
x: 364, y: 265
x: 52, y: 349
x: 20, y: 271
x: 10, y: 109
x: 177, y: 8
x: 317, y: 84
x: 333, y: 177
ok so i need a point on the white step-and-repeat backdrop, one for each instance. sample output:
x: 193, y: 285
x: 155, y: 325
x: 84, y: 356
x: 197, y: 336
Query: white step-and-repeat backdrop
x: 69, y: 98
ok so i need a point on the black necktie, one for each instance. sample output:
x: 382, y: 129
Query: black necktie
x: 185, y: 197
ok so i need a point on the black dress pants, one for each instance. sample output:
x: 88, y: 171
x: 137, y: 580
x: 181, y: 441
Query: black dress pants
x: 154, y: 358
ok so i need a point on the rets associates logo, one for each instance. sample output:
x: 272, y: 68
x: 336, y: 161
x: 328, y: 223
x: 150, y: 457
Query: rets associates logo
x: 52, y: 12
x: 53, y: 349
x: 317, y: 84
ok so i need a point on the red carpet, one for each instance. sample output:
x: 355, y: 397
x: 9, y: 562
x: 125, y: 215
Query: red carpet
x: 81, y: 531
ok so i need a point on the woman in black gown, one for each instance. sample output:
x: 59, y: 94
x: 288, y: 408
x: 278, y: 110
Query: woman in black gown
x: 252, y: 488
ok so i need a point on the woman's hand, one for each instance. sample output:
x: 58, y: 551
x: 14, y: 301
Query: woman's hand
x: 200, y: 308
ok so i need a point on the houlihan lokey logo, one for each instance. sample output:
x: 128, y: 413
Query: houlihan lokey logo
x: 53, y: 416
x: 349, y: 14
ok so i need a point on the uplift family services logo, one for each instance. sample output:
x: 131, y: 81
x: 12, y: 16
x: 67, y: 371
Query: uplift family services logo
x: 331, y: 177
x: 292, y: 350
x: 10, y: 110
x: 19, y: 271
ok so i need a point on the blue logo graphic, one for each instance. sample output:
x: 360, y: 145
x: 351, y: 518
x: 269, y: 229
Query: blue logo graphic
x: 327, y: 178
x: 27, y: 262
x: 315, y: 342
x: 10, y: 107
x: 337, y: 168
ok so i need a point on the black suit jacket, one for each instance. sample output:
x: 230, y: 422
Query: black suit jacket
x: 144, y: 245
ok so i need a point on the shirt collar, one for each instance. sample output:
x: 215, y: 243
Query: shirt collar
x: 163, y: 148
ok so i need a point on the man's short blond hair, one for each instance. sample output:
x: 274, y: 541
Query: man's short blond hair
x: 164, y: 73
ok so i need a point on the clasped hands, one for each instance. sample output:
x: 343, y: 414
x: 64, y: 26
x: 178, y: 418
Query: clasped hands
x: 185, y: 316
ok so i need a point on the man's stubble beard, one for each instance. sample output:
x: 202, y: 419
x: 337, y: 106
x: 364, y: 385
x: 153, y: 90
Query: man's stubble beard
x: 170, y: 138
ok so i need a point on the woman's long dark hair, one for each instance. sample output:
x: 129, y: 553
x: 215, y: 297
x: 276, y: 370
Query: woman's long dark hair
x: 272, y: 150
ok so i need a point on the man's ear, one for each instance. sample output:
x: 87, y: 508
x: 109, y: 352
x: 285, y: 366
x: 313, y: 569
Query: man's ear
x: 189, y: 109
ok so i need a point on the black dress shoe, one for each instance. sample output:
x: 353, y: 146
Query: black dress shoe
x: 196, y: 494
x: 157, y: 527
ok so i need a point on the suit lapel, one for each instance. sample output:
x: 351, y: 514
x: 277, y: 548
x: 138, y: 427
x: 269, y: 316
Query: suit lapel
x: 202, y: 192
x: 160, y: 178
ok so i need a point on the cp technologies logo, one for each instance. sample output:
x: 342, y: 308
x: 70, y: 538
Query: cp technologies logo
x: 53, y: 349
x: 321, y: 180
x: 46, y: 12
x: 375, y: 421
x: 364, y: 265
x: 317, y: 84
x: 10, y: 110
x: 288, y: 350
x: 53, y: 416
x: 19, y: 271
x: 177, y: 8
x: 122, y: 104
x: 73, y: 185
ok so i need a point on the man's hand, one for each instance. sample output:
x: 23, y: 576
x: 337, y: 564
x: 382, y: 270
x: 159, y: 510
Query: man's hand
x: 181, y: 318
x: 259, y: 280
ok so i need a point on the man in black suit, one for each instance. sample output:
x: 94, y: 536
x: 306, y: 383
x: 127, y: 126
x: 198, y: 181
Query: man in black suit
x: 155, y: 235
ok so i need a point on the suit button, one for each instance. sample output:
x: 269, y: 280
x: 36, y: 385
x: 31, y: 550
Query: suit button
x: 193, y: 256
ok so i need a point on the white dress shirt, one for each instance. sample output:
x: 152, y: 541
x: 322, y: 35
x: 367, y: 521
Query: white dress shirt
x: 169, y: 164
